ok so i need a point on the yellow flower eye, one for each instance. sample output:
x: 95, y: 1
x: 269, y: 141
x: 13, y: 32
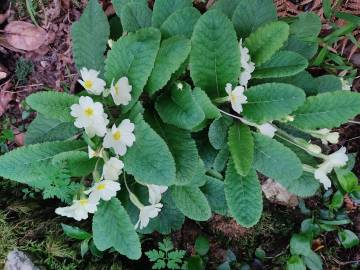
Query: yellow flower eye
x: 83, y: 202
x: 101, y: 187
x: 117, y: 135
x: 88, y: 84
x: 89, y: 111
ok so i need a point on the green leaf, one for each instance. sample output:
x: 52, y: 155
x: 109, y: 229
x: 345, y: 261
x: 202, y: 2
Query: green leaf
x: 272, y: 101
x: 181, y: 22
x: 133, y: 56
x: 214, y: 192
x: 44, y: 129
x: 304, y: 186
x: 215, y: 56
x: 77, y: 162
x: 210, y: 110
x: 266, y: 41
x: 120, y: 4
x: 173, y: 52
x: 221, y: 159
x: 295, y: 263
x: 241, y: 146
x: 53, y: 105
x: 170, y: 219
x: 182, y: 147
x: 32, y: 165
x: 112, y: 228
x: 347, y: 179
x: 303, y: 34
x: 75, y: 232
x: 149, y: 159
x: 348, y: 239
x: 218, y: 132
x: 191, y: 202
x: 178, y: 107
x: 328, y: 83
x: 90, y: 35
x: 275, y: 160
x: 164, y: 8
x: 154, y: 255
x: 337, y: 200
x: 135, y: 15
x: 313, y: 261
x: 202, y: 245
x: 250, y: 14
x: 227, y: 7
x: 300, y: 244
x: 327, y: 110
x: 282, y: 64
x: 243, y: 196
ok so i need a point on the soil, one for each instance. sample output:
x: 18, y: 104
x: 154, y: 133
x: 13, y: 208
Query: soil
x: 53, y: 68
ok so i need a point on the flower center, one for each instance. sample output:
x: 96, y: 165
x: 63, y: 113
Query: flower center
x: 89, y: 111
x: 83, y: 202
x: 117, y: 89
x: 117, y: 135
x: 88, y: 84
x: 101, y: 187
x: 233, y: 98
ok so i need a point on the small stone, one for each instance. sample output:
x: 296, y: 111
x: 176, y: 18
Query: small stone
x: 276, y: 193
x: 18, y: 260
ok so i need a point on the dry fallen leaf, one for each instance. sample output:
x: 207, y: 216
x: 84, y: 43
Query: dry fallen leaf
x: 25, y: 36
x: 5, y: 97
x: 19, y: 139
x: 276, y: 193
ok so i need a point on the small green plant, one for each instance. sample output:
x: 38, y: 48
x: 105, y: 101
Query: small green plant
x: 166, y: 257
x: 23, y: 69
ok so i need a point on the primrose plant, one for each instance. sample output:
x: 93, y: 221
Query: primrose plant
x: 179, y: 114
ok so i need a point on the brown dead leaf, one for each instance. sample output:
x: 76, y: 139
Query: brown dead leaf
x: 19, y: 139
x: 25, y: 36
x: 5, y: 97
x: 3, y: 17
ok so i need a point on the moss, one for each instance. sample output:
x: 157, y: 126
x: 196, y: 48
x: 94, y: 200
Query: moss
x: 7, y: 238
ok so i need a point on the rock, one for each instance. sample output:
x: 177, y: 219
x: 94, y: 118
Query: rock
x: 17, y: 260
x: 276, y: 193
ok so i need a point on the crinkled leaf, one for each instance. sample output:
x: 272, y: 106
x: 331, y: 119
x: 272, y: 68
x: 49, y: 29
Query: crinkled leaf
x: 210, y: 110
x: 300, y: 244
x: 172, y: 54
x: 327, y: 110
x: 328, y: 83
x: 53, y: 104
x: 215, y: 56
x: 275, y: 160
x: 215, y: 194
x: 75, y: 232
x: 112, y: 228
x: 182, y: 147
x: 250, y: 14
x: 90, y: 35
x: 44, y: 129
x: 32, y: 164
x: 77, y: 162
x: 164, y: 8
x: 243, y: 196
x: 218, y: 131
x: 178, y: 107
x: 149, y: 160
x: 120, y: 4
x: 266, y: 41
x: 282, y: 64
x: 227, y: 7
x: 135, y: 15
x: 221, y: 159
x: 241, y: 146
x: 181, y: 22
x: 304, y: 186
x: 191, y: 202
x: 133, y: 56
x: 313, y: 261
x: 272, y: 101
